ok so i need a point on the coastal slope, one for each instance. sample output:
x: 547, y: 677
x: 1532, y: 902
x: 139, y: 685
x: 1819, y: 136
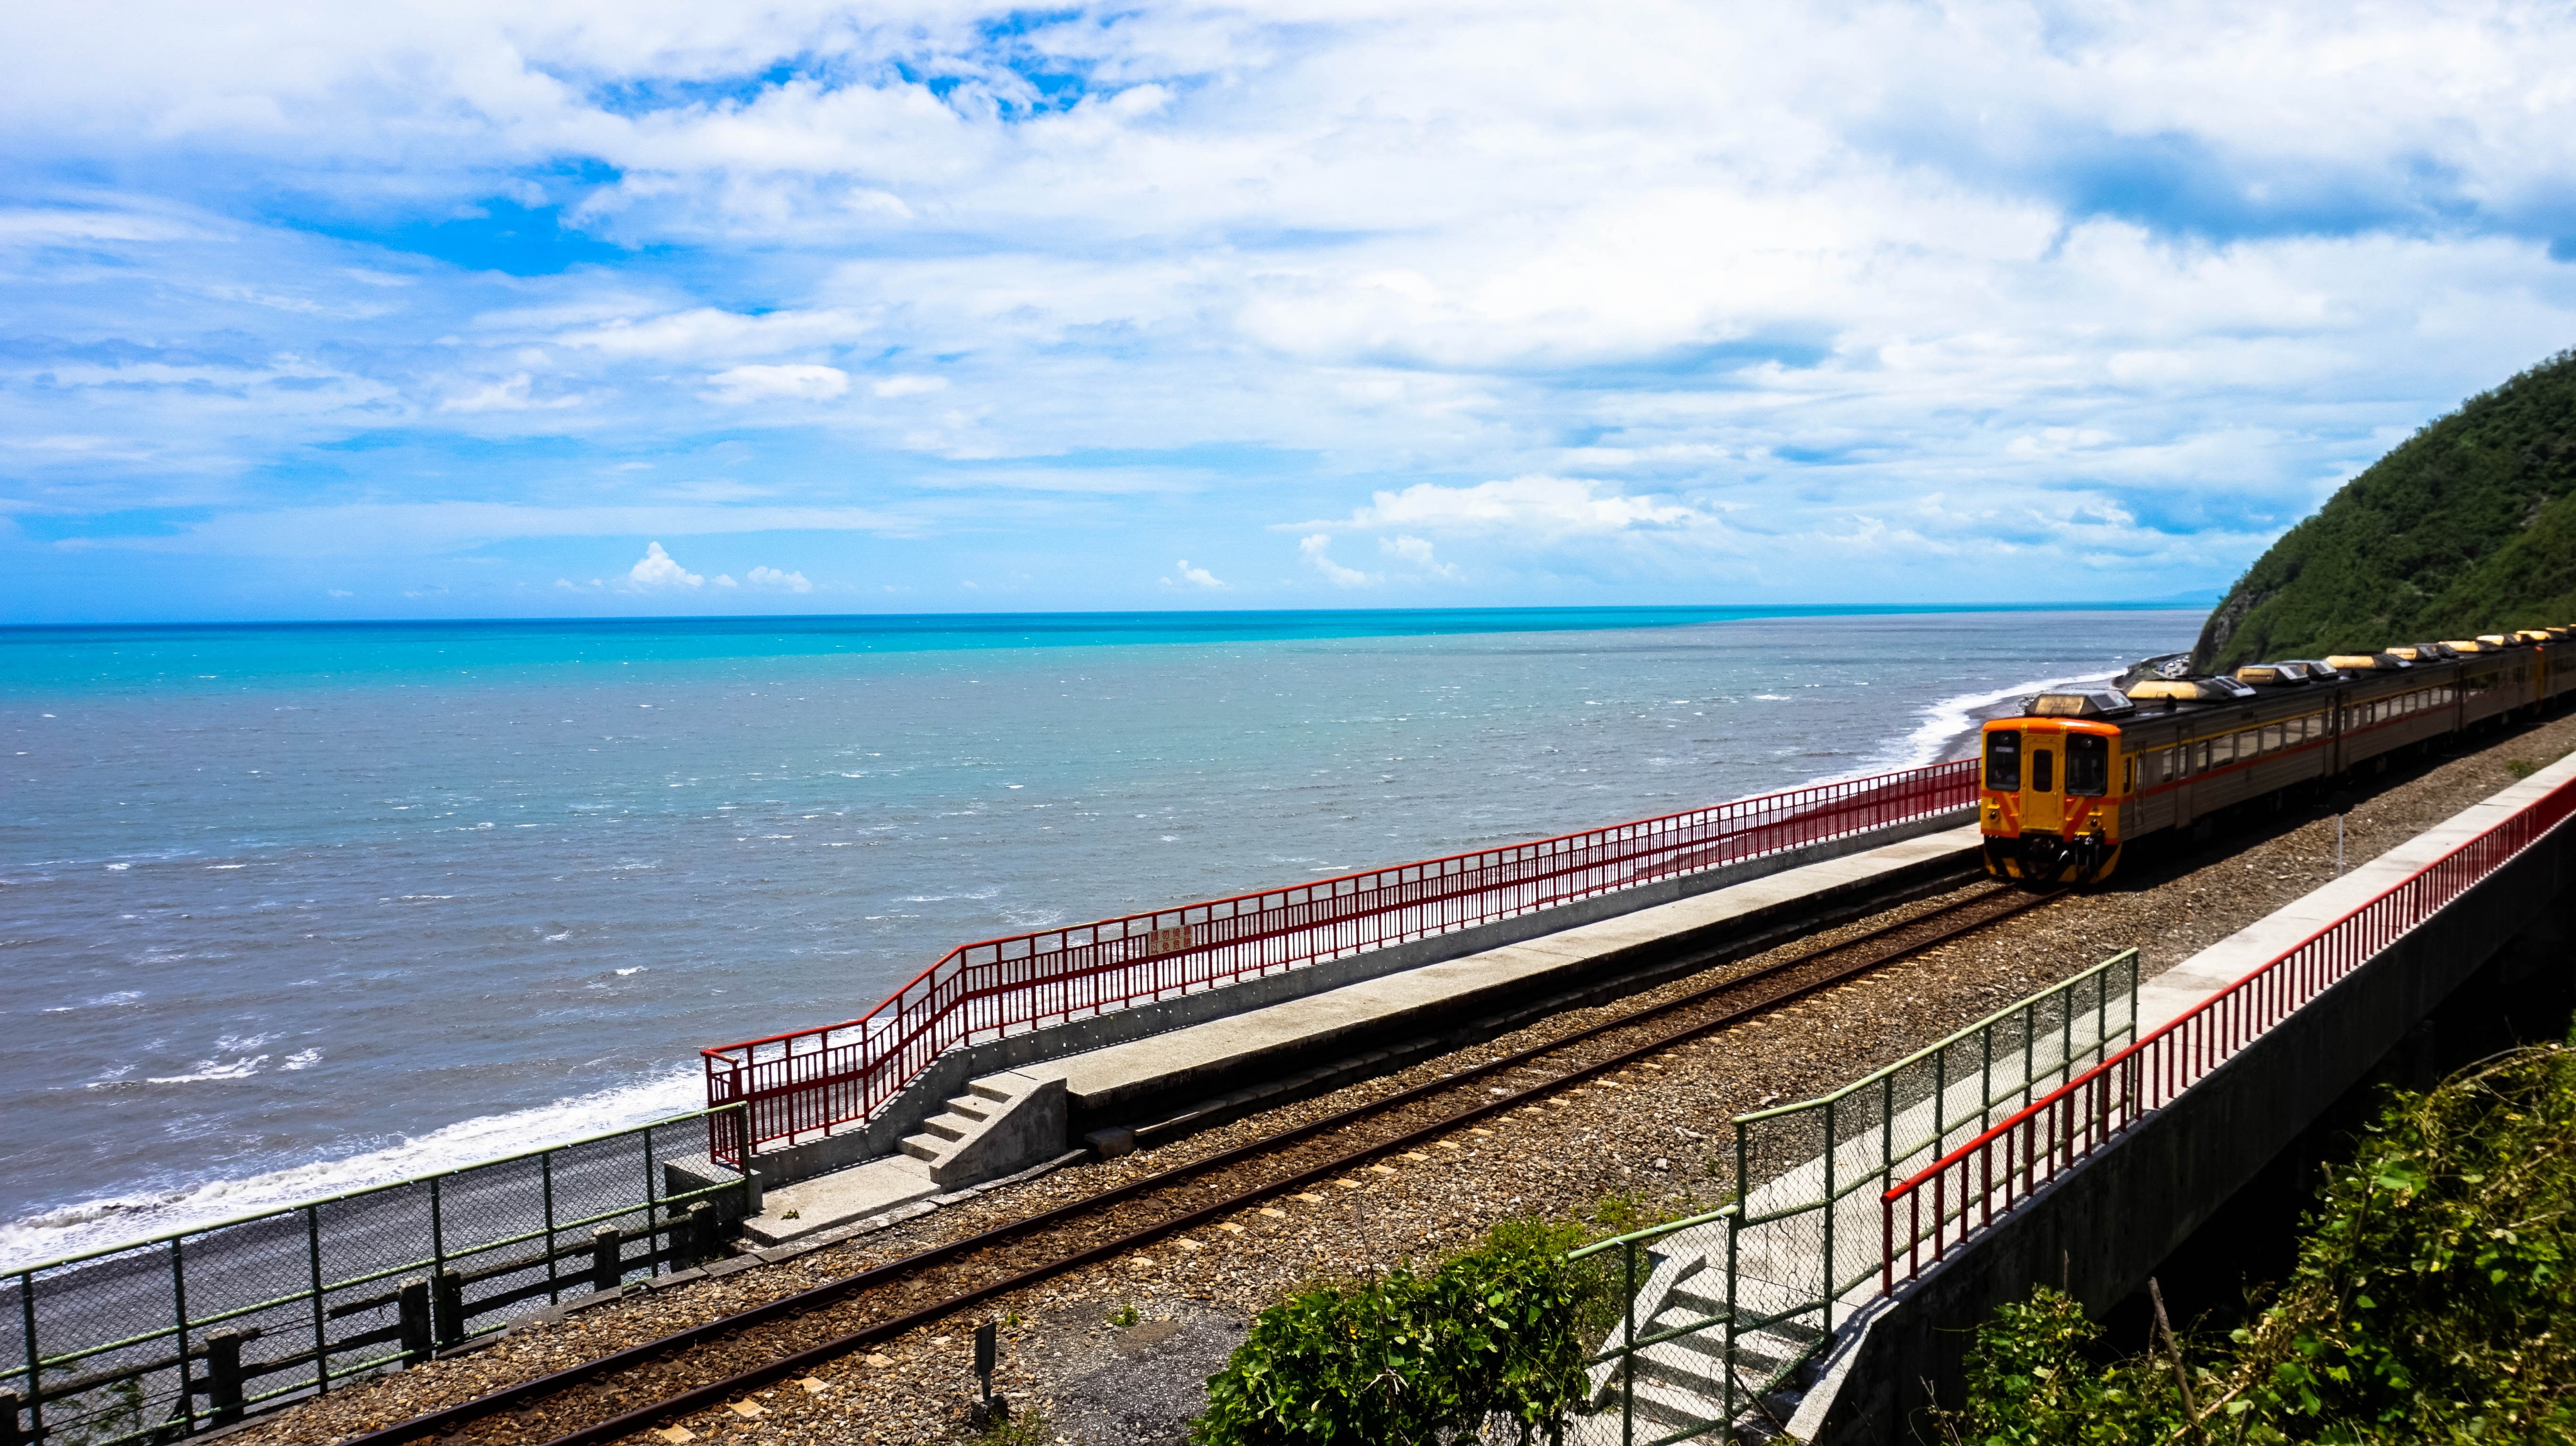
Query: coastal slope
x: 2466, y: 527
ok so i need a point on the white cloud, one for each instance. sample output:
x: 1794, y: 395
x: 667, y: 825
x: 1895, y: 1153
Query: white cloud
x: 701, y: 333
x: 342, y: 592
x: 777, y: 581
x: 726, y: 580
x: 1193, y: 576
x: 1531, y: 507
x: 509, y: 394
x: 1418, y: 552
x: 656, y: 570
x: 1314, y: 549
x: 737, y: 386
x: 2160, y: 277
x: 909, y: 386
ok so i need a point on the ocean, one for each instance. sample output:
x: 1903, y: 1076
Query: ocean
x: 287, y: 910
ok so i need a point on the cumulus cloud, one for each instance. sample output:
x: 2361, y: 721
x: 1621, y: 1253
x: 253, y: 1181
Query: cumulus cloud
x: 777, y: 581
x: 1685, y: 282
x: 1193, y: 576
x: 1417, y: 551
x: 509, y: 394
x: 1316, y: 550
x: 738, y: 386
x: 909, y: 386
x: 1527, y: 507
x: 655, y: 569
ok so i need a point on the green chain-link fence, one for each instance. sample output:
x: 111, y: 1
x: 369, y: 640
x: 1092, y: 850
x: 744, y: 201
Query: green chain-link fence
x: 1723, y: 1308
x: 189, y: 1330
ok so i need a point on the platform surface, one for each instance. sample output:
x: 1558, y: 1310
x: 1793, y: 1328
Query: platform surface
x: 1300, y: 1030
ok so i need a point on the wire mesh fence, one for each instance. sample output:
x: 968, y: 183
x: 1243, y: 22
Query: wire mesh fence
x: 194, y: 1329
x: 1723, y: 1308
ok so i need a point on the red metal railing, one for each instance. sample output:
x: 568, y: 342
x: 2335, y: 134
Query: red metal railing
x: 1960, y: 1194
x: 815, y: 1080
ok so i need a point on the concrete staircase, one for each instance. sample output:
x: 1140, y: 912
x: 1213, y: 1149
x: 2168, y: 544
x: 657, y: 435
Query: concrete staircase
x: 1681, y: 1383
x: 1004, y: 1122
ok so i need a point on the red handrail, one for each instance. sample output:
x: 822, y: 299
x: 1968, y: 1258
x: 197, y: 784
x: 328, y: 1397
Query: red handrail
x: 815, y: 1080
x: 1963, y: 1191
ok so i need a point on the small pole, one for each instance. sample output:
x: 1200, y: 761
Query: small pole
x: 987, y: 1410
x: 224, y: 1373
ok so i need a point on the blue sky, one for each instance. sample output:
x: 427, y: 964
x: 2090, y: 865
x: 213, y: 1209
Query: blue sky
x: 556, y: 308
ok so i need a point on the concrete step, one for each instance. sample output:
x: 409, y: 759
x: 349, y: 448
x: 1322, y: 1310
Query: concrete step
x: 1005, y: 1122
x: 1671, y: 1408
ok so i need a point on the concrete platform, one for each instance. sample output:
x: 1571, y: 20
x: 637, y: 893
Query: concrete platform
x: 1200, y: 1073
x: 1283, y: 1043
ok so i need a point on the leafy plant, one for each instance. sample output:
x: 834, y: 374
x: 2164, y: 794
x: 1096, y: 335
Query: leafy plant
x: 1123, y: 1317
x: 1413, y: 1357
x: 2433, y: 1299
x: 1028, y: 1428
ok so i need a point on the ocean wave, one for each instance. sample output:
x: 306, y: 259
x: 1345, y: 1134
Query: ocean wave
x: 1946, y: 720
x: 111, y: 1220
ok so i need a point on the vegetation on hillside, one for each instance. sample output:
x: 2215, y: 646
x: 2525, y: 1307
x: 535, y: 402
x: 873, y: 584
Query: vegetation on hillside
x: 2467, y: 527
x: 2434, y: 1300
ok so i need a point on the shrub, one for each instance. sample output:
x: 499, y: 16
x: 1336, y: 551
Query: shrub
x: 1409, y: 1357
x: 2434, y: 1298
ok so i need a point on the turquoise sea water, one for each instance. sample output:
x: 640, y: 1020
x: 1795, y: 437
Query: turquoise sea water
x: 289, y: 909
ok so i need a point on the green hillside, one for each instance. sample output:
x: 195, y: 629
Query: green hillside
x: 2469, y: 526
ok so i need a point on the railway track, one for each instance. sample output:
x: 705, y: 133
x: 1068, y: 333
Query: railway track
x: 708, y: 1364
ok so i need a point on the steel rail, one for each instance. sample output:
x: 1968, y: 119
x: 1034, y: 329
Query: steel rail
x: 1869, y: 951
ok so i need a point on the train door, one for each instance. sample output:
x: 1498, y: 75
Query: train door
x: 2042, y: 805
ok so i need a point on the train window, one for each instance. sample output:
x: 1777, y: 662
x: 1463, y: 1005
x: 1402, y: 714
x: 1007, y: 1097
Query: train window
x: 2130, y: 785
x: 2043, y: 771
x: 2003, y: 761
x: 2274, y: 739
x: 2088, y: 765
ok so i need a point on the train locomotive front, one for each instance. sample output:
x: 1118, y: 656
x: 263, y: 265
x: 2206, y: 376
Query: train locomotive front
x: 2049, y: 791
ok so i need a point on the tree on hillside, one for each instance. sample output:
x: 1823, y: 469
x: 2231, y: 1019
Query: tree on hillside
x: 2466, y: 527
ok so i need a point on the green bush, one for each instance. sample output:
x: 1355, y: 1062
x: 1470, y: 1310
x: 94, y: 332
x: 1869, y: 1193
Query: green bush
x: 1410, y: 1357
x: 2433, y: 1299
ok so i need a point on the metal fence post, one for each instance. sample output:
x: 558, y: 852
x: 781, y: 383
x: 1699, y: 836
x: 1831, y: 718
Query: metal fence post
x: 10, y: 1435
x: 179, y: 1302
x: 321, y: 1318
x: 35, y: 1357
x: 607, y: 1267
x: 1628, y: 1347
x: 546, y: 1173
x: 652, y: 1199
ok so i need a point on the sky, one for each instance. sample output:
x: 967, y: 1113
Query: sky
x: 555, y: 308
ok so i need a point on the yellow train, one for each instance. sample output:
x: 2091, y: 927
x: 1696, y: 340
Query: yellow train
x: 2084, y: 772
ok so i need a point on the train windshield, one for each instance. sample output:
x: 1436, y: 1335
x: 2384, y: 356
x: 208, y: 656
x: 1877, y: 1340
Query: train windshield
x: 2003, y: 761
x: 2088, y: 764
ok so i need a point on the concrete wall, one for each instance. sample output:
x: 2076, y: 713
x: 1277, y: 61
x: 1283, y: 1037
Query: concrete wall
x: 2103, y: 1227
x: 947, y: 1076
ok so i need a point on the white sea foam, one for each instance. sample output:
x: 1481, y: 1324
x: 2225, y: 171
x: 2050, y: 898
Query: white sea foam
x: 1950, y: 717
x: 110, y: 1220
